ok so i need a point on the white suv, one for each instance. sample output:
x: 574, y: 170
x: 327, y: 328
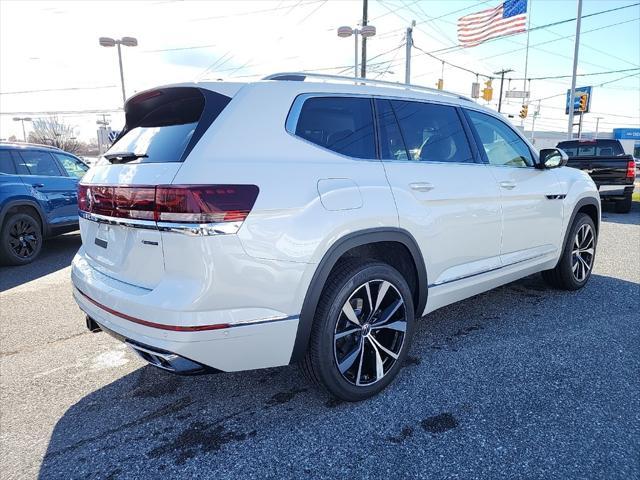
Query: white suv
x: 311, y: 219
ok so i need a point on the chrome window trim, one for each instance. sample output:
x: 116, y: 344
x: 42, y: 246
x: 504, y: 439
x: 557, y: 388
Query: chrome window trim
x: 190, y: 229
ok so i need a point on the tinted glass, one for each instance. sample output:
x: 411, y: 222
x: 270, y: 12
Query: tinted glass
x: 39, y: 163
x: 344, y: 125
x: 432, y: 133
x: 6, y: 164
x: 73, y: 166
x: 164, y: 125
x: 600, y: 148
x: 501, y: 144
x: 391, y: 142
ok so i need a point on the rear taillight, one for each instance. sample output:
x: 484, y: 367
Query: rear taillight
x: 631, y: 169
x: 170, y: 203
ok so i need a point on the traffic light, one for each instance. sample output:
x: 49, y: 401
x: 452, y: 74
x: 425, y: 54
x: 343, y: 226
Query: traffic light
x: 582, y: 105
x: 524, y: 111
x: 487, y: 91
x: 440, y: 84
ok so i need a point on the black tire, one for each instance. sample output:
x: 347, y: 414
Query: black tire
x: 20, y: 239
x: 564, y: 275
x: 624, y: 206
x: 329, y: 347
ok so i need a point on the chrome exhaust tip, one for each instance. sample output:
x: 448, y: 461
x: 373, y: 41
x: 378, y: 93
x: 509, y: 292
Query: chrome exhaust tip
x: 171, y: 362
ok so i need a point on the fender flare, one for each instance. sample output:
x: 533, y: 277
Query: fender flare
x: 579, y: 204
x: 329, y: 260
x: 25, y: 202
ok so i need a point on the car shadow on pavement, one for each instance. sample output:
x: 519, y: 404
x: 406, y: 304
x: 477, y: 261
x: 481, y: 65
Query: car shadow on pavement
x: 57, y: 253
x: 631, y: 218
x: 478, y: 367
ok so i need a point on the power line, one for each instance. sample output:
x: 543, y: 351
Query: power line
x: 580, y: 74
x: 254, y: 12
x: 452, y: 64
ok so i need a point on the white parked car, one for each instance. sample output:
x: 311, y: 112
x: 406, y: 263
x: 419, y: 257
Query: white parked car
x: 312, y: 219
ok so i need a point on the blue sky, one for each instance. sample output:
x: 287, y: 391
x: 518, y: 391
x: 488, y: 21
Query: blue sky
x: 53, y: 45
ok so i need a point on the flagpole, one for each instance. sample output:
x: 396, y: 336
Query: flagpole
x: 525, y: 100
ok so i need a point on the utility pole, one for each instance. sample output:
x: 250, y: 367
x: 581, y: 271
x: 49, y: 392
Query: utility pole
x: 501, y: 73
x: 572, y: 92
x: 597, y: 125
x: 363, y: 71
x: 408, y: 44
x: 533, y: 123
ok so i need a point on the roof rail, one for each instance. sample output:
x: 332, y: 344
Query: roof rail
x: 302, y: 76
x: 28, y: 144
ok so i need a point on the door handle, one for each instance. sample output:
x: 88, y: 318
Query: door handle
x: 421, y: 186
x: 508, y: 185
x: 37, y: 185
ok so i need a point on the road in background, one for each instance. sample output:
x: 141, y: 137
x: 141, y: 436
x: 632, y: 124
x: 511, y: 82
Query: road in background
x: 523, y: 381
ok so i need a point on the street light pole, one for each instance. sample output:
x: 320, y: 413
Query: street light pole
x: 366, y: 31
x: 22, y: 120
x: 124, y: 96
x: 597, y: 125
x: 127, y: 42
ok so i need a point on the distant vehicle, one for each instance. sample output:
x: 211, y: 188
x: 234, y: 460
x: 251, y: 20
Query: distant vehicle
x: 241, y: 226
x: 612, y: 171
x: 38, y: 198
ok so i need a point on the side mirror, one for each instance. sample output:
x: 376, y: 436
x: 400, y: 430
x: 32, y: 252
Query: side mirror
x: 552, y: 158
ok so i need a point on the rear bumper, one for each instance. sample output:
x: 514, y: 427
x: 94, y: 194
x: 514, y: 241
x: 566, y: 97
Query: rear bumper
x: 615, y: 192
x: 223, y: 340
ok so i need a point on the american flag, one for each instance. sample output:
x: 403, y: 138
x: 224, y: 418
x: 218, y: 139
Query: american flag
x: 506, y: 19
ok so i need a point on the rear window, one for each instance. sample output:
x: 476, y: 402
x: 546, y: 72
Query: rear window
x: 592, y: 149
x: 341, y: 124
x: 164, y: 125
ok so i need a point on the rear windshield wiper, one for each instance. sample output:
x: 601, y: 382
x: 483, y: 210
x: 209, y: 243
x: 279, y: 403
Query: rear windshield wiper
x: 124, y: 157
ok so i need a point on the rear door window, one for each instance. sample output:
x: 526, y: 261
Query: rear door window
x: 38, y: 162
x: 74, y: 167
x: 432, y: 132
x: 164, y: 125
x: 341, y: 124
x: 6, y: 163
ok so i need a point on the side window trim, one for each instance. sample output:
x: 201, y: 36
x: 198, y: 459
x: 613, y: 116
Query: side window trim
x: 480, y: 147
x: 477, y: 152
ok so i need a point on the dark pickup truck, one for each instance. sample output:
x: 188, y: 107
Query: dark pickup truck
x: 612, y: 171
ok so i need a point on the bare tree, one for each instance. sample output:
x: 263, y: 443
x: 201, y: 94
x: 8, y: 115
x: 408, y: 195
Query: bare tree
x: 53, y: 131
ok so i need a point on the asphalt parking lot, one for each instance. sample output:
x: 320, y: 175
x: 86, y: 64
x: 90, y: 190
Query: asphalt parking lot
x: 520, y: 382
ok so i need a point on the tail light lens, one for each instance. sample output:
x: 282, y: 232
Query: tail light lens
x: 170, y: 203
x: 631, y: 169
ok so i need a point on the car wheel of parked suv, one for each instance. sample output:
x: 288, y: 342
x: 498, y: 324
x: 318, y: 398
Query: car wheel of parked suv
x: 624, y: 206
x: 20, y: 239
x: 362, y: 330
x: 576, y: 263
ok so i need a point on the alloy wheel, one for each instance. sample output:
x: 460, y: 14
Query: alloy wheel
x: 583, y: 252
x: 23, y: 238
x: 370, y: 332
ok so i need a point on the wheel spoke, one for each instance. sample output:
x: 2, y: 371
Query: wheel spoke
x: 384, y: 288
x: 400, y: 326
x: 350, y: 313
x: 587, y: 250
x: 351, y: 331
x: 388, y: 312
x: 359, y: 374
x: 347, y: 363
x: 379, y: 365
x: 375, y: 342
x: 368, y: 290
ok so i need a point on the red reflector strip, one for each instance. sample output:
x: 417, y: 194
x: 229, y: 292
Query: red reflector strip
x: 160, y: 326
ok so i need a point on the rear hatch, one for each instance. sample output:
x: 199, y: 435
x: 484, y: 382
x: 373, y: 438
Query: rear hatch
x: 117, y: 197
